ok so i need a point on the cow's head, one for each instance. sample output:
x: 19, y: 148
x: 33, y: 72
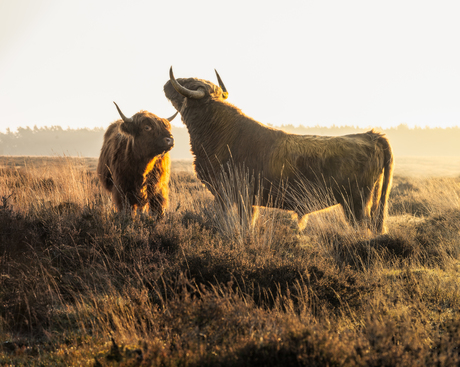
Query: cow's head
x: 193, y: 89
x: 151, y: 134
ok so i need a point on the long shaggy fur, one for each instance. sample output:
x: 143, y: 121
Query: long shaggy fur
x: 134, y: 165
x: 297, y: 170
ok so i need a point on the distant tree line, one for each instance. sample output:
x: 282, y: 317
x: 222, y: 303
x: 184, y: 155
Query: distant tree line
x: 86, y: 142
x: 51, y: 141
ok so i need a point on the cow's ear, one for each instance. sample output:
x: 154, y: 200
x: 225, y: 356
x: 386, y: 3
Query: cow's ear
x: 127, y: 128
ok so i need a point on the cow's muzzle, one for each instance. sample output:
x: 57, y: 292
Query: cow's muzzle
x: 169, y: 142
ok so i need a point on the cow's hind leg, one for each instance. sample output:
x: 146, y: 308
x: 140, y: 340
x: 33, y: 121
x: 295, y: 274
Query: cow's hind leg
x: 357, y: 210
x: 362, y: 213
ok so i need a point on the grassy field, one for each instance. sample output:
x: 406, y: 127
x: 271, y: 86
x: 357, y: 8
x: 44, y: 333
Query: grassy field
x: 83, y: 285
x: 405, y: 166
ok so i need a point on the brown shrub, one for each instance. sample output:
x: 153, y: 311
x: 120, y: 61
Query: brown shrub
x: 190, y: 290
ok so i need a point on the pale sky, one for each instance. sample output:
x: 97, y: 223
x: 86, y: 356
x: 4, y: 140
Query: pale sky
x: 361, y: 63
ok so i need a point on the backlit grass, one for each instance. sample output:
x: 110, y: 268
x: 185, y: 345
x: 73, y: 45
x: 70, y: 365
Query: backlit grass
x: 83, y: 285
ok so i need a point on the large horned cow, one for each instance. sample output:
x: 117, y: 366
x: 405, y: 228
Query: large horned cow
x: 291, y: 170
x: 134, y: 163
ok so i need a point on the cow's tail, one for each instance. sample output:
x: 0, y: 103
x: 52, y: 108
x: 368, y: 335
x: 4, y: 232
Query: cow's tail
x: 388, y: 167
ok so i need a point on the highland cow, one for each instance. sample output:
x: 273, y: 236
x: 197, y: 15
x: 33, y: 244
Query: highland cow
x: 134, y: 163
x: 289, y: 171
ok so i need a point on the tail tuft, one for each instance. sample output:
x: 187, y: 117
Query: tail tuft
x: 388, y: 166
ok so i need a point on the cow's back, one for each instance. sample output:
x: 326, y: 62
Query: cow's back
x: 313, y: 155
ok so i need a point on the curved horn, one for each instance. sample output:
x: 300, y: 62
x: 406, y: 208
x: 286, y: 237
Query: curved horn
x: 195, y: 94
x: 172, y: 117
x: 221, y: 85
x: 123, y: 117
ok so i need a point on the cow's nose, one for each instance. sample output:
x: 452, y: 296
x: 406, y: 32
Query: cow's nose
x: 169, y: 141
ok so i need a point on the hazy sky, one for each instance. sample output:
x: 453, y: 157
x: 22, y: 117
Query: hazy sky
x: 361, y: 63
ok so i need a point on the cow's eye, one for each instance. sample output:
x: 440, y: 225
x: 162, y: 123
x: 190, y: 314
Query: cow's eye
x: 147, y: 128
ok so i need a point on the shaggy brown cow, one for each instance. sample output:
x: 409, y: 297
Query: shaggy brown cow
x: 134, y: 163
x: 291, y: 171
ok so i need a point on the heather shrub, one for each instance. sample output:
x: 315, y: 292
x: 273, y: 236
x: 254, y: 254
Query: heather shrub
x: 81, y: 284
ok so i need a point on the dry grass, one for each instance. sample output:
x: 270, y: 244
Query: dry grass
x: 83, y: 285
